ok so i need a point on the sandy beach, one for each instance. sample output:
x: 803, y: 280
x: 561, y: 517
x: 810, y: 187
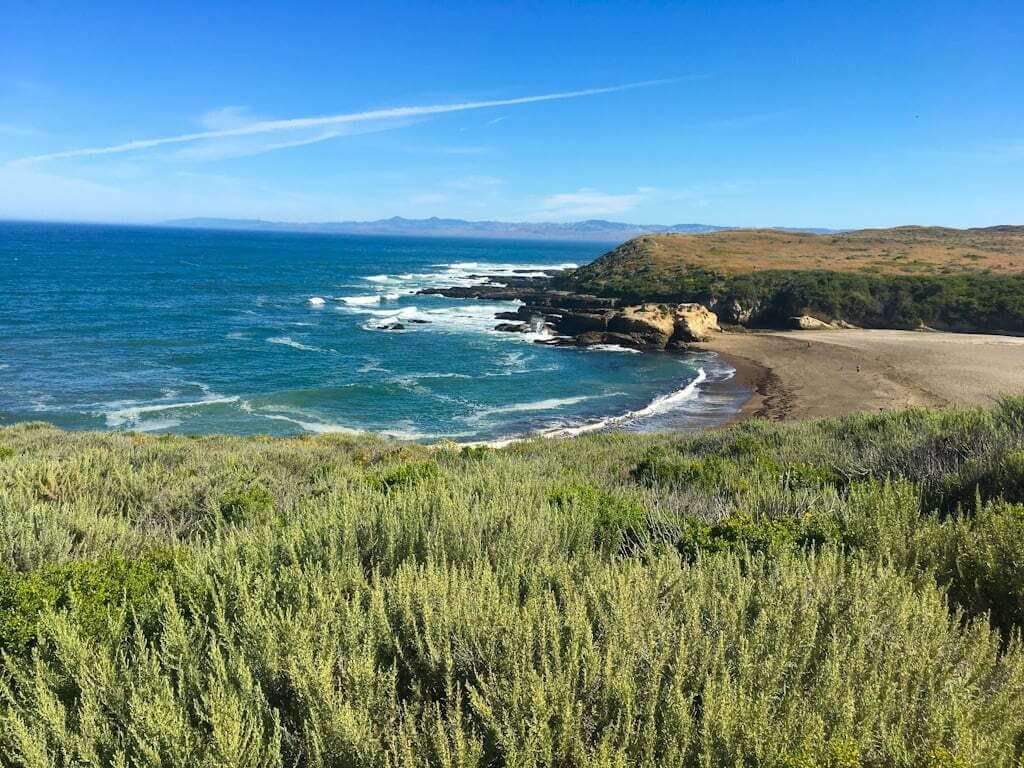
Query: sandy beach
x: 808, y: 374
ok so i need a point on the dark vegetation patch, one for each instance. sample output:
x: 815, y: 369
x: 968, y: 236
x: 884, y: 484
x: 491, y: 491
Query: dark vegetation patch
x: 248, y: 503
x: 402, y: 475
x: 962, y: 301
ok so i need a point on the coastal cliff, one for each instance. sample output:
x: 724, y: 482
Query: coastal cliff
x: 900, y: 278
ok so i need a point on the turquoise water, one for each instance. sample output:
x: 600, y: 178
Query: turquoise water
x: 157, y: 330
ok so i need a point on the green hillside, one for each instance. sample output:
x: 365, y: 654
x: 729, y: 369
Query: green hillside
x: 888, y: 278
x: 837, y: 593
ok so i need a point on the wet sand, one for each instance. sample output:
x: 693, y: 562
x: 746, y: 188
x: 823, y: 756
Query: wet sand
x: 809, y: 374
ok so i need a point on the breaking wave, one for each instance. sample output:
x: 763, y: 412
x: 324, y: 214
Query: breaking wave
x: 287, y: 341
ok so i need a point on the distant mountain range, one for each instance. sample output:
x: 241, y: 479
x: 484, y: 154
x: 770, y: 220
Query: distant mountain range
x: 597, y: 230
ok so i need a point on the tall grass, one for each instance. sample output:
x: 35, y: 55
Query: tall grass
x: 833, y: 593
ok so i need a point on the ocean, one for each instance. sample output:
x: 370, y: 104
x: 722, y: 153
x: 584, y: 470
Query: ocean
x: 199, y: 331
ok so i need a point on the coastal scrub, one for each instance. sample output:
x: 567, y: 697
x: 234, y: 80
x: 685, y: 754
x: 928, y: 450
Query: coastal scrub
x: 846, y: 592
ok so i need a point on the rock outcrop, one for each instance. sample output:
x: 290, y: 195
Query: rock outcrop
x: 512, y: 327
x: 808, y: 323
x: 573, y: 319
x: 574, y: 323
x: 646, y: 325
x: 641, y: 326
x: 694, y: 322
x: 731, y: 310
x: 525, y: 327
x: 590, y: 338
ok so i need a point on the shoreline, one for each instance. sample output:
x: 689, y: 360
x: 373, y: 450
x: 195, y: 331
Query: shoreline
x: 768, y: 398
x: 820, y: 374
x: 787, y: 375
x: 661, y: 405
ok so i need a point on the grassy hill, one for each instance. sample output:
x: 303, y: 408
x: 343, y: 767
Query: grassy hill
x: 961, y: 279
x: 837, y: 593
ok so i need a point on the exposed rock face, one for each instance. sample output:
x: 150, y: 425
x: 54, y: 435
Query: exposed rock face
x: 641, y: 326
x: 574, y: 323
x: 584, y: 320
x: 525, y: 328
x: 731, y: 311
x: 646, y: 325
x: 694, y: 322
x: 808, y: 323
x: 590, y: 338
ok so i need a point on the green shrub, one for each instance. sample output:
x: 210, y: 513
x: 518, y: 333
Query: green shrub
x: 403, y: 475
x: 998, y: 478
x: 1007, y: 480
x: 981, y: 559
x: 249, y: 503
x: 736, y: 532
x: 1011, y: 413
x: 743, y: 444
x: 475, y: 451
x: 6, y: 452
x: 720, y: 474
x: 91, y: 590
x: 616, y: 520
x: 712, y: 474
x: 519, y: 610
x: 23, y: 598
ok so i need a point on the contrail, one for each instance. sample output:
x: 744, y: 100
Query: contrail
x: 269, y: 126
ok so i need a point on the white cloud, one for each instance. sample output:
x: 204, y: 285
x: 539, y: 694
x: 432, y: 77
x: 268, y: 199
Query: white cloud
x: 222, y: 150
x: 271, y: 126
x: 587, y: 203
x: 245, y: 146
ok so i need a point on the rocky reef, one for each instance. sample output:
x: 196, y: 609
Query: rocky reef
x: 566, y: 318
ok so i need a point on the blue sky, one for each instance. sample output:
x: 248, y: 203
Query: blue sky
x: 764, y: 113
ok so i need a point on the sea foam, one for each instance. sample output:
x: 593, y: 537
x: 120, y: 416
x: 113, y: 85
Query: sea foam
x: 131, y: 415
x: 362, y: 301
x: 287, y: 341
x: 658, y: 405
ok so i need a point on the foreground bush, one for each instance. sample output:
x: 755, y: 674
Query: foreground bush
x: 834, y: 593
